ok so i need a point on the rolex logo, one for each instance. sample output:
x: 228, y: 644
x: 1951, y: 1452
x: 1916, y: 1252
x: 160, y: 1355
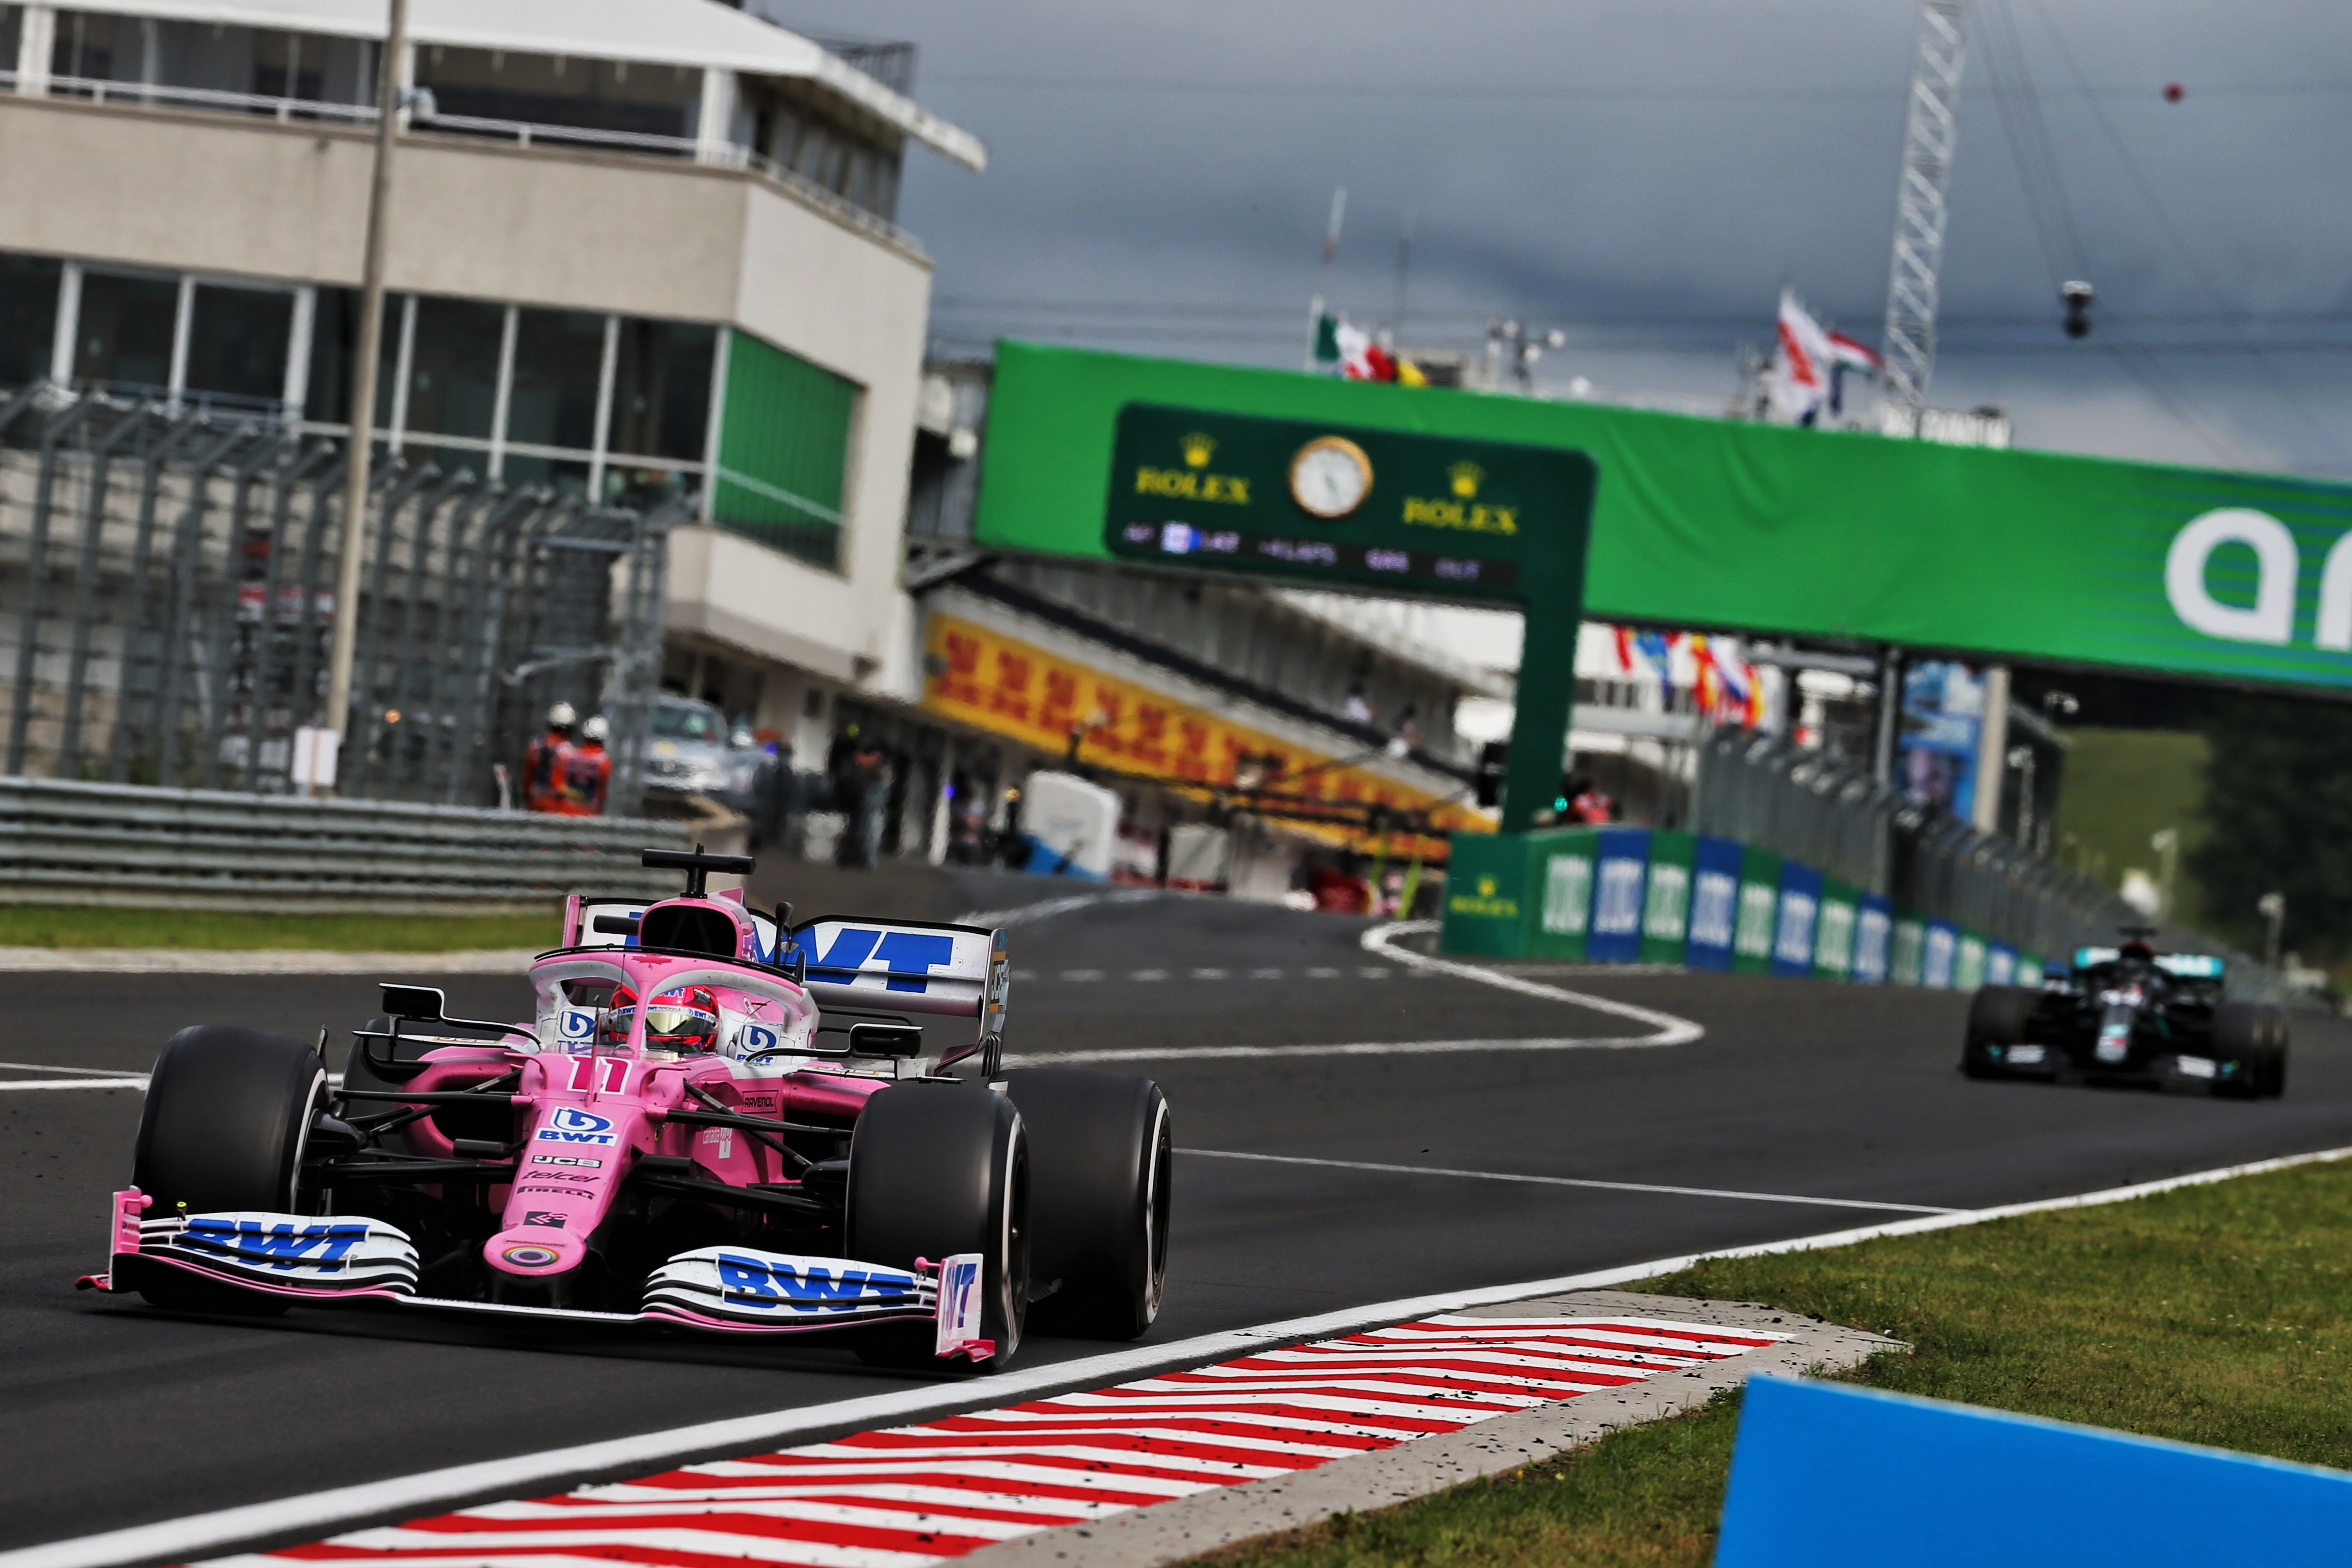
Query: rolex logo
x: 1465, y: 477
x: 1199, y: 449
x: 1486, y: 886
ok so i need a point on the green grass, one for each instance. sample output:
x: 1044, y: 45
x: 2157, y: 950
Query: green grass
x: 35, y: 925
x: 2209, y: 1315
x: 2121, y: 787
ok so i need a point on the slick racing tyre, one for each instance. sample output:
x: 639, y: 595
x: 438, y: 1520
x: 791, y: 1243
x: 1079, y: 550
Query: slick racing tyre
x: 934, y: 1170
x: 1997, y: 1016
x: 2275, y: 1070
x: 2242, y: 1050
x: 228, y: 1112
x: 1102, y: 1158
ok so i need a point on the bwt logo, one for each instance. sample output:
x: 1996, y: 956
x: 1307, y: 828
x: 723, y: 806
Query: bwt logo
x: 2277, y: 563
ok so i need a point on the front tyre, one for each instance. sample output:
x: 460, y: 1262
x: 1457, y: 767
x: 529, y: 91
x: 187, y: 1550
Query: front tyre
x: 1997, y: 1019
x: 935, y: 1170
x: 1103, y: 1154
x: 228, y: 1115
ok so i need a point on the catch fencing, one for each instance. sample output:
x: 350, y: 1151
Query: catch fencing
x: 75, y: 843
x: 1924, y: 864
x: 167, y: 602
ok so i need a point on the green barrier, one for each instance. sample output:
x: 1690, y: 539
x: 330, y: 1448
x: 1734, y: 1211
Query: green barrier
x: 1969, y: 967
x: 1485, y: 896
x: 1665, y: 902
x: 1559, y: 886
x: 2028, y: 971
x: 1759, y: 911
x: 1909, y: 959
x: 1833, y: 930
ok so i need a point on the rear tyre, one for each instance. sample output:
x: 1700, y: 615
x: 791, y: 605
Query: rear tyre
x: 1102, y: 1163
x: 2241, y: 1035
x: 934, y: 1170
x: 228, y: 1113
x: 2274, y: 1059
x: 1997, y: 1016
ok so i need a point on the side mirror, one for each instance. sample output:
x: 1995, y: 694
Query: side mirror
x: 884, y: 1040
x: 416, y: 1003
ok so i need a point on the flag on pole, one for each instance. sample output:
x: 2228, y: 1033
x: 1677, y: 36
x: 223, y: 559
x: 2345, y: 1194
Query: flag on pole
x: 1350, y: 353
x: 1800, y: 363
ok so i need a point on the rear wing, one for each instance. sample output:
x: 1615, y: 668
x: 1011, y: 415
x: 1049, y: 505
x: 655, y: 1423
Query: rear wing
x: 909, y: 967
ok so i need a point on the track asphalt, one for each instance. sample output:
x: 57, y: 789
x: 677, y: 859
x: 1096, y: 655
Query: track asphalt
x: 111, y: 1413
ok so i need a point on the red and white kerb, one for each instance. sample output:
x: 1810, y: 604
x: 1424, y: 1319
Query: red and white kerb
x: 907, y: 1496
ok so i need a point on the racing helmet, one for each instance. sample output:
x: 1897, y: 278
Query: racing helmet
x: 684, y: 1018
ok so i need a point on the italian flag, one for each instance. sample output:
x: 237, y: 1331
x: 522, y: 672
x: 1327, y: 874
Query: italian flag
x: 1348, y: 353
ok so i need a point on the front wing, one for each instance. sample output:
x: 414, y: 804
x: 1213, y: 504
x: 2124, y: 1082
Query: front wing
x: 334, y: 1260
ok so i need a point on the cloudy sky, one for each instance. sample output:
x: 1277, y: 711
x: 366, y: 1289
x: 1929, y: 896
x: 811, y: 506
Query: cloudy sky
x: 1646, y: 177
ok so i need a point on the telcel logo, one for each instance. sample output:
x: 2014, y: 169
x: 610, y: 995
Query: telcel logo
x: 2277, y: 563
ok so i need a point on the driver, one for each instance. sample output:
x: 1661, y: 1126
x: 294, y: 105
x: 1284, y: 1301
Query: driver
x: 683, y: 1019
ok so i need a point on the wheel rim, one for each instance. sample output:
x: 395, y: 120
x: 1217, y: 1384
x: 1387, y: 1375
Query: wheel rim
x: 1158, y: 1193
x: 1014, y: 1242
x: 302, y: 1141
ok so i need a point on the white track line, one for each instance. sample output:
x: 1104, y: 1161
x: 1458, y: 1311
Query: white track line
x: 1569, y: 1182
x: 74, y: 1072
x: 1665, y: 1028
x: 76, y: 1083
x: 1029, y: 914
x: 178, y: 1538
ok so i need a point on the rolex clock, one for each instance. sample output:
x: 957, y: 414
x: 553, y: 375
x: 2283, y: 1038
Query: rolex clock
x: 1330, y: 477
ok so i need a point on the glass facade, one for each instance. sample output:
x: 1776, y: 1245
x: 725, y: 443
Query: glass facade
x: 549, y: 90
x: 262, y: 62
x: 122, y: 336
x: 614, y: 407
x: 28, y: 316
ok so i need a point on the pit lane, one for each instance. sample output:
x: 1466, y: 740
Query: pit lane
x: 112, y: 1415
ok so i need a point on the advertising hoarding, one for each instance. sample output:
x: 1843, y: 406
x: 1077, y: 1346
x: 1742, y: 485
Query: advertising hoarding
x: 2004, y: 553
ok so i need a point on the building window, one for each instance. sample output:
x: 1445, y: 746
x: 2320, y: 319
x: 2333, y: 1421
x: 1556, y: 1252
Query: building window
x: 237, y: 340
x: 783, y: 451
x: 12, y: 36
x: 259, y: 62
x: 124, y: 335
x: 452, y: 368
x: 661, y: 390
x: 554, y: 89
x: 29, y: 317
x: 558, y: 366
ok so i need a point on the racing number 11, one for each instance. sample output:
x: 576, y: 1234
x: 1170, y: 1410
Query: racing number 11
x: 584, y: 1074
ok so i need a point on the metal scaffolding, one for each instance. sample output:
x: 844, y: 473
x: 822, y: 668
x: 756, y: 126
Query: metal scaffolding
x: 167, y: 599
x: 1930, y: 130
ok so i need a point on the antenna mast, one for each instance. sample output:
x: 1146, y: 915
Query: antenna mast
x: 1930, y: 128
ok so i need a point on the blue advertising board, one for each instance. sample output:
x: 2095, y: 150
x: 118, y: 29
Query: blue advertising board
x: 1822, y: 1473
x: 1874, y: 932
x: 1800, y: 909
x: 1621, y: 864
x: 1715, y: 903
x: 1939, y: 955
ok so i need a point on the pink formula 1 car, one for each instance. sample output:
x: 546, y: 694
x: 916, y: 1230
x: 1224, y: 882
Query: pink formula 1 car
x: 716, y: 1121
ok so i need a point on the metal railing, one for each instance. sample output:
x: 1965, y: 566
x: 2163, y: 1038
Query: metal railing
x: 167, y: 600
x: 70, y: 843
x: 1832, y: 815
x: 424, y: 114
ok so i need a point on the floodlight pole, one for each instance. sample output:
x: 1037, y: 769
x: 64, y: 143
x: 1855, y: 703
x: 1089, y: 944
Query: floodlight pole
x: 363, y: 377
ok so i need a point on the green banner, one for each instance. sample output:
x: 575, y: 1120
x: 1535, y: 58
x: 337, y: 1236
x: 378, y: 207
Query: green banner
x: 1666, y: 901
x: 1833, y: 930
x: 1759, y: 911
x: 1909, y: 962
x: 1485, y: 886
x: 1560, y: 886
x: 1708, y: 523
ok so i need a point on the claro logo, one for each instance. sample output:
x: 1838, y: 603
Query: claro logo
x: 2271, y: 618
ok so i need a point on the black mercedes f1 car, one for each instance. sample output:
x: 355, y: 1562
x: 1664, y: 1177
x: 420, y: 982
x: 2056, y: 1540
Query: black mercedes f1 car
x: 2130, y: 1014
